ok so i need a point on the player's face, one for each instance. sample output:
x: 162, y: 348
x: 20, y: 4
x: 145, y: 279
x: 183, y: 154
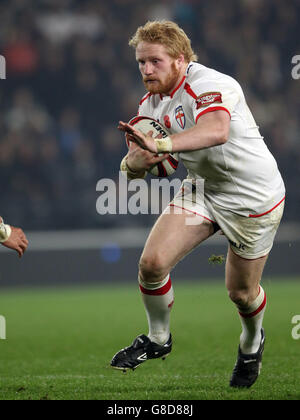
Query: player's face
x: 161, y: 73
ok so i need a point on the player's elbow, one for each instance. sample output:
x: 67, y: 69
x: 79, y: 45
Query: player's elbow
x: 221, y: 136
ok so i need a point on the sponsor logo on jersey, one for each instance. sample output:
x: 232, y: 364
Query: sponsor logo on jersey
x: 208, y: 98
x: 180, y: 116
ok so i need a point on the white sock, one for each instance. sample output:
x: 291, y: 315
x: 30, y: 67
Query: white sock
x: 158, y: 300
x: 252, y: 319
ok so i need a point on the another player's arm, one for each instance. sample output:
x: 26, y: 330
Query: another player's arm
x: 212, y: 129
x: 13, y: 238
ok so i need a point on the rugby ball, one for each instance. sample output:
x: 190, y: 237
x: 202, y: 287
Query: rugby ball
x: 146, y: 124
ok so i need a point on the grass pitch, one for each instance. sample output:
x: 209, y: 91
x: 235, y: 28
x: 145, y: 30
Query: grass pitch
x: 60, y: 342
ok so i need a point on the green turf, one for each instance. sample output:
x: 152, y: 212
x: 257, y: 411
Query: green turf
x: 60, y: 342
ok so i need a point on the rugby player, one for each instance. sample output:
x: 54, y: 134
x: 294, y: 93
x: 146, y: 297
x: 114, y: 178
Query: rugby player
x: 219, y: 142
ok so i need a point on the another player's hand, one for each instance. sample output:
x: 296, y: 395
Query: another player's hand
x: 146, y: 142
x: 17, y: 241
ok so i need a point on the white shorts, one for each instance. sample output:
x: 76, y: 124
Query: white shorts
x: 249, y: 237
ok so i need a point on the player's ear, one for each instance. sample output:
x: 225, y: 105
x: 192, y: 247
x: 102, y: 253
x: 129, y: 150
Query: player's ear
x: 180, y: 59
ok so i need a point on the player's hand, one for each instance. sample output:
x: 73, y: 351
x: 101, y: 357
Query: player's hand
x: 139, y: 160
x: 17, y: 241
x: 146, y: 142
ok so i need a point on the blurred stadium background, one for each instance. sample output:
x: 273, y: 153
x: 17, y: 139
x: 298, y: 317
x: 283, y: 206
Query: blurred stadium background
x: 71, y: 77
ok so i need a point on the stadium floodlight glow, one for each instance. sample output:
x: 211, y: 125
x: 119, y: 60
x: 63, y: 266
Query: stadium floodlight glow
x: 2, y: 67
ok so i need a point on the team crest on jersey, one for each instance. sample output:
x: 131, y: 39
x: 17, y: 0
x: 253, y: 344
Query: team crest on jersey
x: 180, y: 116
x: 208, y: 98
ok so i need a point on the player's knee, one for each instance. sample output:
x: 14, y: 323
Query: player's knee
x: 241, y: 297
x: 152, y: 268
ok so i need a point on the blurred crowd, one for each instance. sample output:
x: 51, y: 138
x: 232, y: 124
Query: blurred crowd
x: 71, y: 77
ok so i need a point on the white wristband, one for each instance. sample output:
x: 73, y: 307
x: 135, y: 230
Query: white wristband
x: 5, y: 232
x: 164, y: 145
x: 129, y: 173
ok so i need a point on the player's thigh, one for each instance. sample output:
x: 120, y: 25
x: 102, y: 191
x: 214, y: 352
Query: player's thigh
x: 251, y: 240
x: 172, y: 237
x: 243, y: 276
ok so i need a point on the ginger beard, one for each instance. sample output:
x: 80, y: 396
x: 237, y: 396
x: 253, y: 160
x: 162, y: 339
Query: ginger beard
x: 163, y: 86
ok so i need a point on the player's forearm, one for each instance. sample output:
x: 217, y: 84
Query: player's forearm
x: 211, y: 130
x: 198, y: 137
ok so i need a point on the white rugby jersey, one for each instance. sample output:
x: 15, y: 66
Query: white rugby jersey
x: 240, y: 175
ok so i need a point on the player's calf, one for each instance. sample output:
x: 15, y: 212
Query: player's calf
x: 243, y: 298
x: 158, y: 299
x: 251, y: 316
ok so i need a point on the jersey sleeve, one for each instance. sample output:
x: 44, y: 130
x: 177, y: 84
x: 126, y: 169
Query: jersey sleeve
x: 212, y: 96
